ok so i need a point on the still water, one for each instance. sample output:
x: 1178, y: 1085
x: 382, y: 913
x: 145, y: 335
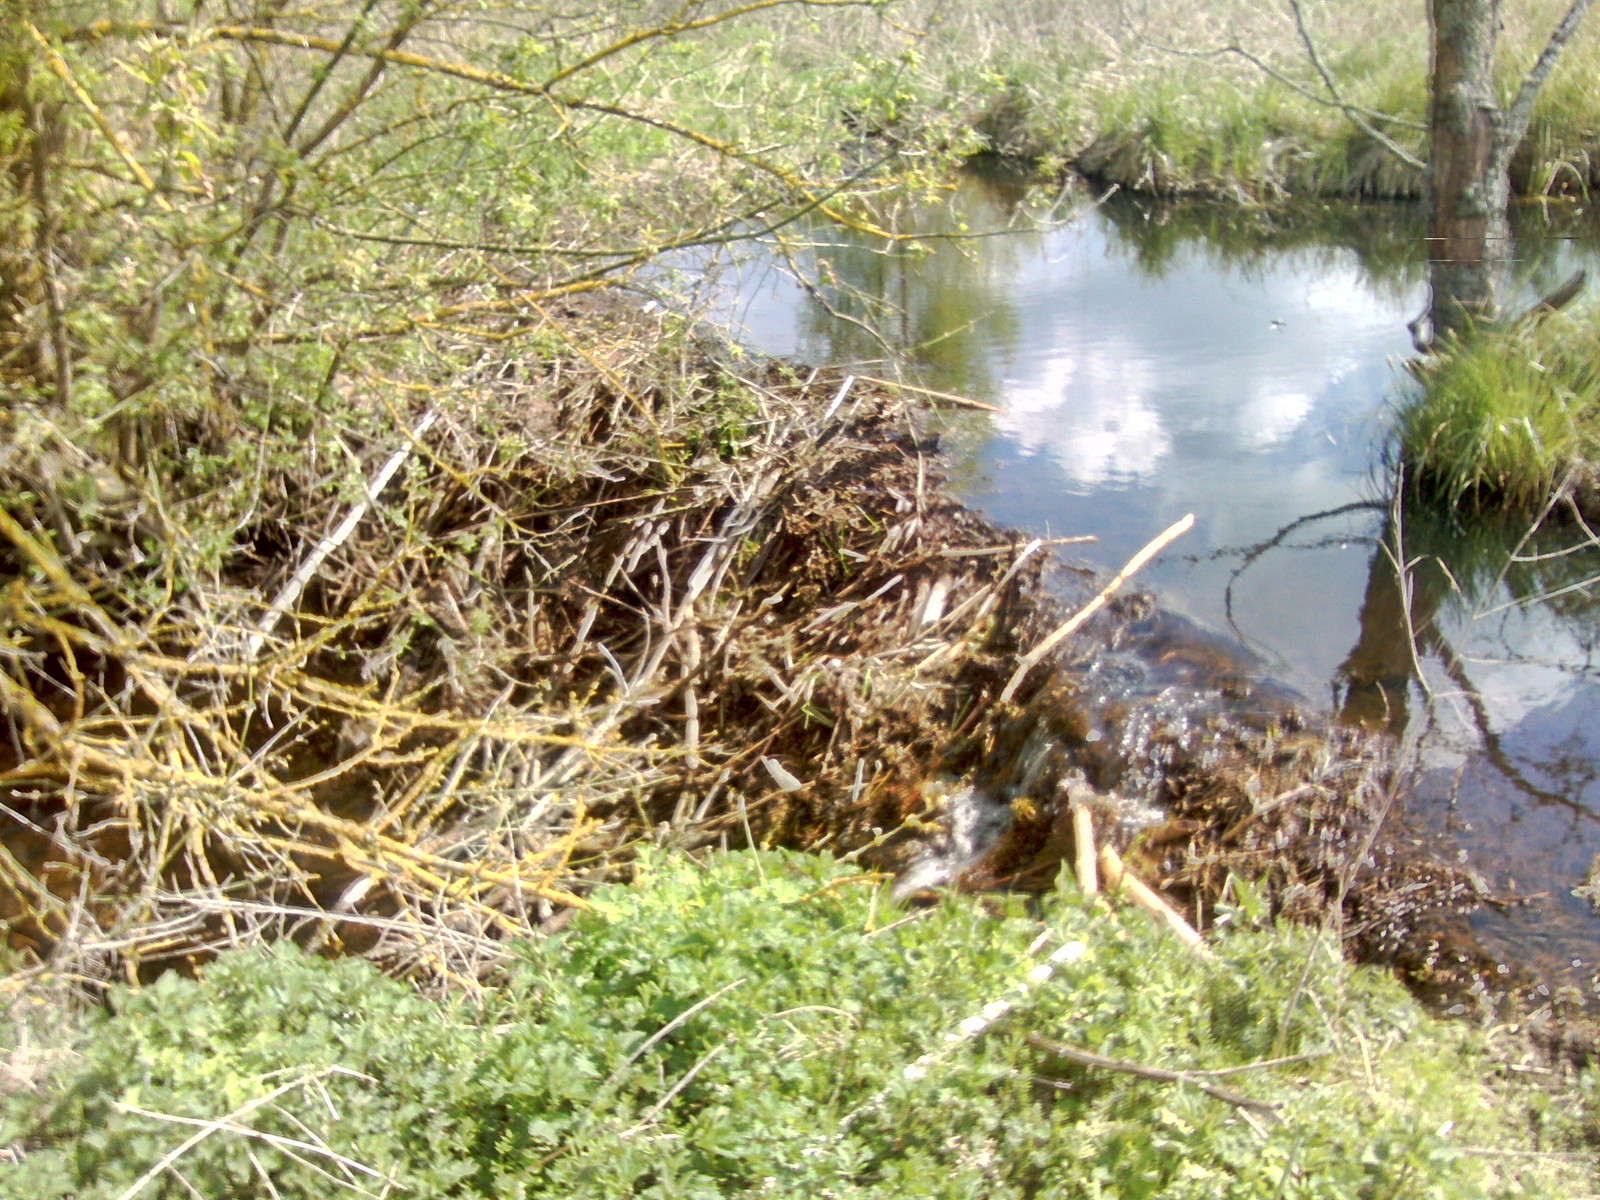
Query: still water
x: 1150, y: 361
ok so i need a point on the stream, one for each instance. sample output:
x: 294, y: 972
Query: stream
x: 1151, y: 360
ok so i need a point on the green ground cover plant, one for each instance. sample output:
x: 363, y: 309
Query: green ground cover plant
x: 744, y: 1026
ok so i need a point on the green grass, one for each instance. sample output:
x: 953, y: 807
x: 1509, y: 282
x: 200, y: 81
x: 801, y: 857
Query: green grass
x: 1505, y: 419
x: 1162, y: 105
x: 706, y: 1032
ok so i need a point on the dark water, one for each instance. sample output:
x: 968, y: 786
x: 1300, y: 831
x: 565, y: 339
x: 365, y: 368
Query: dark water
x: 1152, y: 361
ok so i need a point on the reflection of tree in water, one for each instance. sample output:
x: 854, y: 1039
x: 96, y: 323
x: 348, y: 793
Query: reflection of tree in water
x: 946, y: 301
x: 1433, y: 572
x: 948, y: 305
x: 1385, y: 242
x: 937, y: 303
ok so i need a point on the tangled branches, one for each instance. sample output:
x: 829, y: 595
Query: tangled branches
x: 597, y: 602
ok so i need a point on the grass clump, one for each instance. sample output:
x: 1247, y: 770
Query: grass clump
x: 744, y: 1027
x: 1507, y: 418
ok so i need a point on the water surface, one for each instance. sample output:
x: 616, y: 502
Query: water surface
x: 1151, y: 361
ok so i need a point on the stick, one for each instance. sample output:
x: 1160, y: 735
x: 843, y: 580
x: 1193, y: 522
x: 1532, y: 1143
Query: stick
x: 1088, y: 1058
x: 1171, y: 534
x: 844, y: 390
x: 297, y: 583
x: 1120, y: 879
x: 947, y: 397
x: 1083, y: 849
x: 230, y: 1124
x: 985, y: 551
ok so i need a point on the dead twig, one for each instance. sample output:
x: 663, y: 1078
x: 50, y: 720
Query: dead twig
x: 1037, y: 655
x: 1087, y: 1058
x: 1119, y: 879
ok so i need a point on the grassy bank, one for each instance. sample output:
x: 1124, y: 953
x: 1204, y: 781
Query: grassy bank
x: 1509, y: 420
x: 1225, y: 101
x: 772, y: 1025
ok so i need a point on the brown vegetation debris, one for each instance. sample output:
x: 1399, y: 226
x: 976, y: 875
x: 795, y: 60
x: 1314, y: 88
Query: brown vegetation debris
x: 592, y: 599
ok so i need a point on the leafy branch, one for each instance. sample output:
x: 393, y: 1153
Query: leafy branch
x: 500, y: 82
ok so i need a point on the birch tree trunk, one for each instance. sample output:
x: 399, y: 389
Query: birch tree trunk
x: 1469, y: 189
x: 1470, y: 168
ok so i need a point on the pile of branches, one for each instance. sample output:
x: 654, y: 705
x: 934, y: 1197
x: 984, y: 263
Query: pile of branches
x: 589, y: 599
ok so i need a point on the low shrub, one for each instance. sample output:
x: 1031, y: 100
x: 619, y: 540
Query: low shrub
x: 745, y: 1028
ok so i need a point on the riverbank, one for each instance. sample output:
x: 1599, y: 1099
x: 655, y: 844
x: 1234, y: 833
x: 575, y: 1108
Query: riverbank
x: 1241, y: 103
x: 661, y: 601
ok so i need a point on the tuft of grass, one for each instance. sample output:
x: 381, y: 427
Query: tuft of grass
x: 1506, y: 418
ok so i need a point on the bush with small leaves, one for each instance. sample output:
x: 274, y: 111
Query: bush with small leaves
x: 744, y: 1027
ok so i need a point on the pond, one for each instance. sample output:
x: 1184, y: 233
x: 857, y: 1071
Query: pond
x: 1151, y: 360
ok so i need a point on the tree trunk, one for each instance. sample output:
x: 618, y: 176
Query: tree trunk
x: 1469, y: 177
x: 1469, y: 188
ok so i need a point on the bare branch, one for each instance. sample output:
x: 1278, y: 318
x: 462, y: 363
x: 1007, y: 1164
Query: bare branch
x: 1349, y: 110
x: 1515, y: 122
x: 107, y: 130
x: 1360, y: 115
x: 1300, y: 89
x: 1087, y: 1058
x: 500, y: 82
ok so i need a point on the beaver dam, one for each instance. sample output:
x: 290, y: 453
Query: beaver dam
x: 586, y: 609
x: 598, y: 607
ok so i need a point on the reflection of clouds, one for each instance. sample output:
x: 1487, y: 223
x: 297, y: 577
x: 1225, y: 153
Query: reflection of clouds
x: 1270, y: 414
x: 1199, y: 380
x: 1090, y: 408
